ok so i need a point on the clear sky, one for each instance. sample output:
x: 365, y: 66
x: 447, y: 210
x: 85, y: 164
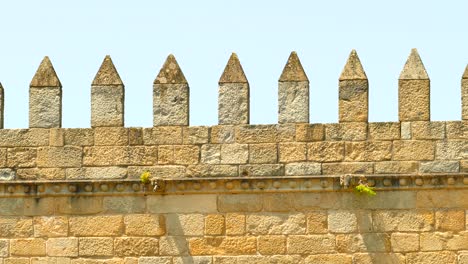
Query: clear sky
x: 139, y: 35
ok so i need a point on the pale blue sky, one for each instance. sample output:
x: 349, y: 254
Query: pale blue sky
x: 139, y: 35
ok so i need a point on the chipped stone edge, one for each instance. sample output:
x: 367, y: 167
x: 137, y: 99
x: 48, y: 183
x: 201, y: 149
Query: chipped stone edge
x: 272, y: 184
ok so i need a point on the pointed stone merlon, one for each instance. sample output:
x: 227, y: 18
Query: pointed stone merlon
x: 233, y: 94
x: 45, y: 97
x: 353, y: 91
x: 464, y: 91
x: 107, y: 96
x: 414, y: 90
x: 170, y: 96
x: 293, y: 93
x: 2, y: 105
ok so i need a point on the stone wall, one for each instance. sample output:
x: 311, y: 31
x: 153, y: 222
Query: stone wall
x: 234, y: 192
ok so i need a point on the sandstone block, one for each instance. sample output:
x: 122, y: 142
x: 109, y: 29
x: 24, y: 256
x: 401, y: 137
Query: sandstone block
x: 325, y: 151
x: 61, y: 157
x: 428, y: 130
x: 431, y: 257
x: 290, y: 152
x: 173, y: 246
x: 171, y: 104
x: 353, y: 100
x: 165, y: 171
x: 28, y: 247
x: 347, y: 168
x: 212, y: 171
x: 310, y: 132
x: 4, y: 245
x: 350, y: 131
x: 275, y: 224
x: 78, y: 205
x: 110, y: 136
x: 384, y: 131
x: 62, y: 247
x: 50, y: 260
x: 135, y: 136
x: 7, y: 174
x: 234, y: 153
x: 96, y: 173
x: 405, y: 242
x: 22, y: 157
x: 45, y: 107
x: 371, y: 258
x: 214, y: 225
x: 272, y: 245
x: 162, y: 135
x: 233, y: 103
x: 413, y: 150
x: 96, y: 246
x: 119, y: 156
x: 239, y: 203
x: 11, y: 226
x: 257, y: 133
x: 222, y: 134
x: 199, y: 203
x: 368, y: 151
x: 368, y: 242
x: 317, y: 222
x: 17, y: 261
x: 342, y: 221
x: 223, y: 245
x: 263, y: 153
x: 185, y: 224
x: 303, y: 168
x: 329, y: 259
x: 452, y: 149
x: 456, y: 129
x: 107, y: 106
x: 210, y: 154
x: 293, y: 102
x: 56, y: 137
x: 186, y: 154
x: 155, y: 260
x: 194, y: 260
x: 311, y: 244
x: 396, y: 167
x: 79, y: 136
x: 96, y: 225
x: 41, y: 174
x: 450, y: 220
x: 123, y: 204
x: 278, y: 202
x: 261, y: 170
x: 405, y: 221
x: 50, y: 226
x: 33, y: 137
x: 135, y: 246
x: 439, y: 166
x: 235, y: 224
x: 405, y: 130
x: 413, y: 98
x: 144, y: 225
x: 195, y: 135
x: 441, y: 199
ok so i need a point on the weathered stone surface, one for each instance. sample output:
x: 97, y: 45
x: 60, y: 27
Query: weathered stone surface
x: 185, y: 224
x: 263, y: 153
x: 303, y: 168
x: 349, y: 131
x: 186, y: 154
x: 439, y: 166
x: 272, y: 245
x: 45, y: 75
x: 34, y: 137
x: 79, y: 136
x: 276, y: 224
x: 50, y: 226
x: 405, y: 242
x: 154, y: 260
x: 171, y: 104
x: 450, y: 220
x: 465, y: 95
x: 370, y: 242
x: 428, y: 130
x: 325, y: 151
x: 41, y: 174
x: 167, y: 171
x: 413, y: 150
x: 329, y: 259
x: 173, y: 246
x: 383, y: 258
x: 222, y: 134
x: 261, y: 170
x: 210, y: 154
x: 196, y: 134
x: 107, y: 74
x: 413, y: 98
x: 78, y: 205
x: 368, y: 151
x: 290, y: 152
x: 384, y: 131
x: 119, y: 155
x: 278, y: 202
x: 409, y: 221
x: 50, y: 157
x: 110, y: 136
x: 96, y: 173
x: 11, y: 226
x: 144, y: 225
x: 214, y: 224
x: 405, y: 130
x: 212, y: 171
x: 96, y: 225
x: 342, y: 221
x: 62, y: 247
x: 347, y: 167
x: 162, y: 135
x: 441, y: 199
x: 200, y: 203
x: 28, y: 247
x: 4, y: 246
x: 45, y: 107
x: 396, y: 167
x: 257, y: 133
x: 135, y: 246
x: 233, y: 103
x: 192, y: 259
x: 123, y: 204
x: 96, y: 246
x: 451, y: 150
x: 311, y: 244
x: 56, y: 137
x: 223, y: 245
x: 310, y: 132
x: 293, y: 102
x: 7, y: 174
x: 353, y: 101
x: 431, y: 257
x: 239, y: 203
x: 107, y: 105
x: 317, y: 222
x: 235, y: 224
x: 456, y: 129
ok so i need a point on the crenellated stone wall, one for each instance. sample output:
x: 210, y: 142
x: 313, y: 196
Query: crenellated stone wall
x: 235, y: 192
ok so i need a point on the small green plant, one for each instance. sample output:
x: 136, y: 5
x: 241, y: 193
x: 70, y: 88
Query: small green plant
x: 145, y: 177
x: 363, y: 188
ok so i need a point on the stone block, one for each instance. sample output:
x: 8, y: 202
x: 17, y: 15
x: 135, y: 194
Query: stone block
x: 173, y: 246
x: 50, y: 226
x: 368, y: 151
x: 120, y: 155
x: 428, y: 130
x: 431, y: 257
x: 214, y: 225
x: 311, y: 244
x: 347, y: 168
x: 96, y: 173
x: 353, y: 100
x: 413, y: 100
x: 291, y: 152
x: 144, y: 225
x: 371, y: 258
x: 28, y: 247
x: 21, y: 157
x: 56, y: 137
x: 33, y: 137
x: 196, y: 135
x: 186, y: 154
x: 450, y: 220
x: 257, y: 133
x: 41, y: 174
x: 200, y: 203
x: 185, y: 224
x: 45, y: 107
x: 310, y: 132
x: 451, y: 149
x: 303, y: 168
x: 384, y: 131
x: 235, y: 224
x: 261, y: 170
x: 396, y: 167
x: 53, y: 157
x: 12, y: 227
x: 293, y: 102
x: 233, y: 103
x: 7, y: 174
x: 278, y: 202
x: 110, y: 136
x: 107, y: 106
x: 403, y: 221
x: 111, y: 225
x: 456, y: 129
x: 234, y: 153
x: 62, y: 247
x: 263, y: 153
x: 230, y: 245
x: 239, y: 203
x: 162, y: 135
x: 210, y: 154
x: 275, y: 224
x: 342, y: 222
x: 135, y: 136
x: 406, y: 130
x: 171, y: 104
x: 222, y: 134
x: 369, y: 242
x: 441, y: 199
x: 325, y: 151
x: 212, y: 171
x: 78, y: 205
x: 154, y: 260
x: 329, y: 259
x: 349, y: 131
x: 124, y: 204
x: 79, y: 136
x: 194, y: 260
x: 4, y: 248
x: 164, y: 171
x: 405, y: 242
x: 413, y: 150
x: 439, y: 166
x: 272, y: 245
x: 96, y: 247
x: 17, y: 261
x: 317, y: 222
x: 135, y: 246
